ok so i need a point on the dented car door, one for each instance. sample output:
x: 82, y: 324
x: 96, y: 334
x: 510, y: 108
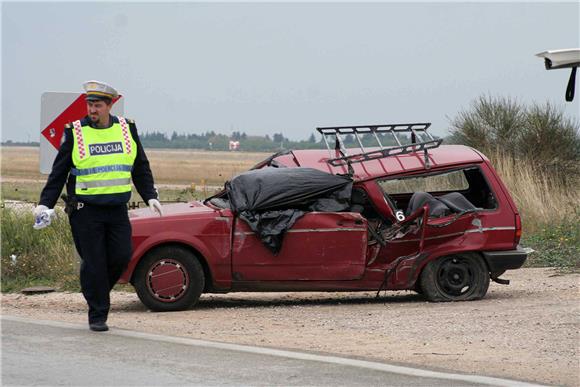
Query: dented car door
x: 320, y: 246
x: 407, y: 253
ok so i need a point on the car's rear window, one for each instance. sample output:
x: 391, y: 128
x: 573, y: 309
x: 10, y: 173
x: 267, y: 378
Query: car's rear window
x: 451, y: 181
x: 470, y: 182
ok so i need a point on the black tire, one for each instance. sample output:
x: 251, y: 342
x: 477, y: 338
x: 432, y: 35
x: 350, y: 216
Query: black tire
x: 417, y: 288
x: 169, y: 278
x: 462, y: 277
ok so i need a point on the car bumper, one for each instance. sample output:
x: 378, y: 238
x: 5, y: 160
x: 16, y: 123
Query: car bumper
x: 500, y: 261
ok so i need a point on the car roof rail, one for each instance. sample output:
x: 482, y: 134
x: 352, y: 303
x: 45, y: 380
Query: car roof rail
x: 421, y: 140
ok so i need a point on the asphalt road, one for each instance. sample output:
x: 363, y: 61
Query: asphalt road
x: 51, y: 353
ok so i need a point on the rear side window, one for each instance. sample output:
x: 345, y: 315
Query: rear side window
x: 470, y: 182
x: 445, y: 182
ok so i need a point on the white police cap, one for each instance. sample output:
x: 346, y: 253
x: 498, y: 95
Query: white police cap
x: 97, y: 90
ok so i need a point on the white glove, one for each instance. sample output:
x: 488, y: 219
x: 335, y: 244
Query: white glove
x: 42, y: 217
x: 39, y: 210
x: 155, y: 206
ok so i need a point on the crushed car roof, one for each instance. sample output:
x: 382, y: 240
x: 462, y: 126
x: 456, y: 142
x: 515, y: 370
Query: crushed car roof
x: 444, y: 156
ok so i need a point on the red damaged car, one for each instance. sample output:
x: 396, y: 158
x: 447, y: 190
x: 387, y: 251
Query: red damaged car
x: 407, y: 213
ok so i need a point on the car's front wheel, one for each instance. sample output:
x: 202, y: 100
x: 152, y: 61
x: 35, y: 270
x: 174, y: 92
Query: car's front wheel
x: 461, y: 277
x: 169, y: 278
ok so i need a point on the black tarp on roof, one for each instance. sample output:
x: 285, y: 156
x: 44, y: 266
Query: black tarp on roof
x: 270, y: 200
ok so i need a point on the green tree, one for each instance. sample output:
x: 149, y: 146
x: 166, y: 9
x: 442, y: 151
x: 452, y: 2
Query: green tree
x: 278, y: 138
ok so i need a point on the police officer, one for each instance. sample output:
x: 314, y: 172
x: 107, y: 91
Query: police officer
x: 98, y: 158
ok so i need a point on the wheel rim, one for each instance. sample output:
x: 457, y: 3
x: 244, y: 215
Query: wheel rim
x: 456, y: 277
x: 167, y: 280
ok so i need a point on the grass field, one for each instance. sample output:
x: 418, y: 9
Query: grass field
x: 174, y: 171
x: 180, y: 167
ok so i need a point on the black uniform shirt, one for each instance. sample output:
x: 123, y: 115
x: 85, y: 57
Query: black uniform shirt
x: 140, y: 174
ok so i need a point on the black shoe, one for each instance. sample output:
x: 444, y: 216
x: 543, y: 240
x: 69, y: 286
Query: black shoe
x: 98, y: 326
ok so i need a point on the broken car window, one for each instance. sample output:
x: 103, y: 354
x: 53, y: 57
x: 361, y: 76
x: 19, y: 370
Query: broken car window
x: 446, y: 192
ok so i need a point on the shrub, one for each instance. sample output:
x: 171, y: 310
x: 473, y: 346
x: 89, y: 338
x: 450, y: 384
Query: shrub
x: 490, y: 124
x: 550, y: 142
x: 31, y: 256
x: 538, y: 135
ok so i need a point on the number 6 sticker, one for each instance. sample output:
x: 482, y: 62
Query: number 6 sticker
x: 400, y: 215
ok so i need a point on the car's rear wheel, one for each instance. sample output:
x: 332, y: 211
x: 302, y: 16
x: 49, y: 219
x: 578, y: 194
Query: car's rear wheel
x: 169, y: 278
x: 417, y: 288
x: 462, y: 277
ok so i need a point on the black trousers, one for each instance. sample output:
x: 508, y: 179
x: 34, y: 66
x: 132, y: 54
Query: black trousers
x: 102, y: 236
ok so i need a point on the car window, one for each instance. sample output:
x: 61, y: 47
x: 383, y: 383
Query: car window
x: 451, y: 181
x: 470, y: 182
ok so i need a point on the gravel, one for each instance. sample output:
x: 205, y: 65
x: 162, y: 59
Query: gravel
x: 528, y: 330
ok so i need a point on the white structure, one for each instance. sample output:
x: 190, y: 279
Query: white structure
x: 561, y: 59
x: 234, y: 145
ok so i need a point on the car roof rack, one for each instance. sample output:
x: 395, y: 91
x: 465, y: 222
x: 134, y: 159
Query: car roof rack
x: 421, y: 140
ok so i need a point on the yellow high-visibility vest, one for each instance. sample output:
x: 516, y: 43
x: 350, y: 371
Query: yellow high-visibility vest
x: 103, y: 159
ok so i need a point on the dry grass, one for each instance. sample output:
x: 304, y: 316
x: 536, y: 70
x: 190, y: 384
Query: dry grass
x: 539, y: 198
x: 179, y: 167
x: 193, y: 166
x: 21, y: 162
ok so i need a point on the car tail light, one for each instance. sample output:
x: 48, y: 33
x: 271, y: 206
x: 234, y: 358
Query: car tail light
x: 518, y: 229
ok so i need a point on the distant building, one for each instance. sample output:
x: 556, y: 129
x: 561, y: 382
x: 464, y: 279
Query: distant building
x: 234, y: 145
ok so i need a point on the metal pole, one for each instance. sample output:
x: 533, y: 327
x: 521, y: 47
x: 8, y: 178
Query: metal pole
x: 396, y: 138
x: 327, y: 144
x: 362, y: 148
x: 377, y: 137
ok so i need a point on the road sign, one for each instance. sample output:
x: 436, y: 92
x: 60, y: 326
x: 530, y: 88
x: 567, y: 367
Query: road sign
x: 56, y: 110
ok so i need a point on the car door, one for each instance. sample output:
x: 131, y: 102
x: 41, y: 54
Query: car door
x: 449, y: 233
x: 320, y: 246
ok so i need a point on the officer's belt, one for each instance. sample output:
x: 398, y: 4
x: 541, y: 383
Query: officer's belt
x: 105, y: 168
x: 102, y: 183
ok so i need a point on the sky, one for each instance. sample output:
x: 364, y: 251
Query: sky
x: 265, y: 68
